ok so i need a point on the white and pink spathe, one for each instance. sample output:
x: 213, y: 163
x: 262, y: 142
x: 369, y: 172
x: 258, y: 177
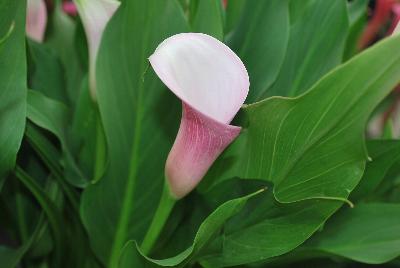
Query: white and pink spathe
x: 95, y: 15
x: 36, y: 19
x: 212, y: 83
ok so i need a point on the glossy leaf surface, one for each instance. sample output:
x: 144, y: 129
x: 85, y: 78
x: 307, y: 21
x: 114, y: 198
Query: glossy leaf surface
x: 13, y: 83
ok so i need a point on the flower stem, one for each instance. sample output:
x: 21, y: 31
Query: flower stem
x: 161, y: 215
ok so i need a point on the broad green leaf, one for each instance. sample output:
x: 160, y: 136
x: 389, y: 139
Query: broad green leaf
x: 7, y: 34
x: 51, y: 211
x: 384, y: 154
x: 140, y: 119
x: 10, y: 257
x: 233, y: 13
x: 297, y: 9
x: 367, y: 233
x: 206, y: 17
x: 53, y: 116
x: 316, y: 45
x: 312, y: 149
x: 312, y: 146
x: 50, y: 156
x: 46, y: 72
x: 266, y: 228
x: 78, y: 245
x: 211, y: 226
x: 12, y: 83
x: 260, y: 39
x: 82, y: 133
x: 388, y: 130
x: 61, y: 36
x: 357, y: 18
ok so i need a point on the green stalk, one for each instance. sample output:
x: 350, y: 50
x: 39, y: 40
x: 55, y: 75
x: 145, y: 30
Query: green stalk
x: 161, y: 215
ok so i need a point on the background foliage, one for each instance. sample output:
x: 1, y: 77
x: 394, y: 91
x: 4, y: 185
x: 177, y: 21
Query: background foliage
x: 304, y: 183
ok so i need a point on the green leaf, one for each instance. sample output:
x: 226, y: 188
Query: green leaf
x: 384, y: 154
x: 367, y: 233
x: 260, y: 39
x: 82, y: 133
x: 312, y: 149
x: 46, y: 72
x: 12, y: 83
x: 10, y: 258
x: 266, y: 228
x: 312, y: 146
x: 140, y: 118
x: 61, y: 36
x: 7, y: 34
x: 316, y: 44
x: 211, y: 226
x: 357, y: 12
x: 233, y: 13
x: 207, y: 17
x: 50, y: 156
x: 50, y: 209
x: 54, y: 116
x: 297, y: 9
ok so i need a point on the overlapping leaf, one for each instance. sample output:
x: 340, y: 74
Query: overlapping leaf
x: 310, y: 147
x: 140, y: 118
x: 260, y: 39
x: 357, y: 19
x: 46, y: 72
x: 53, y: 116
x: 13, y: 82
x: 384, y: 154
x: 317, y: 39
x: 206, y: 17
x: 367, y: 233
x: 10, y: 257
x: 210, y: 227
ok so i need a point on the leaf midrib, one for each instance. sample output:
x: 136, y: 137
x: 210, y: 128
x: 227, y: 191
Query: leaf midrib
x: 324, y: 132
x: 127, y: 204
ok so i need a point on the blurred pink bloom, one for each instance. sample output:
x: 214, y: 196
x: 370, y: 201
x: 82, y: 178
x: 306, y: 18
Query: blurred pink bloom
x: 95, y: 15
x: 212, y: 83
x: 396, y: 18
x: 70, y: 8
x: 36, y: 19
x: 380, y: 16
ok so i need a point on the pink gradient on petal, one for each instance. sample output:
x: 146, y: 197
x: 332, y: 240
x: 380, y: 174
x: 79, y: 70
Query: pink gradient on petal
x: 199, y: 142
x: 70, y: 8
x: 379, y: 17
x: 36, y: 19
x: 212, y: 83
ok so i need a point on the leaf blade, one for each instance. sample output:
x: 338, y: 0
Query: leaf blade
x: 12, y: 84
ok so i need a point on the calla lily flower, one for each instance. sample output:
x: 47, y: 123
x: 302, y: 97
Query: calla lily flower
x: 212, y: 83
x: 36, y: 19
x: 95, y: 15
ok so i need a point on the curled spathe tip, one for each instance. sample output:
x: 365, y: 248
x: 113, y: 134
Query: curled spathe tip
x: 212, y: 83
